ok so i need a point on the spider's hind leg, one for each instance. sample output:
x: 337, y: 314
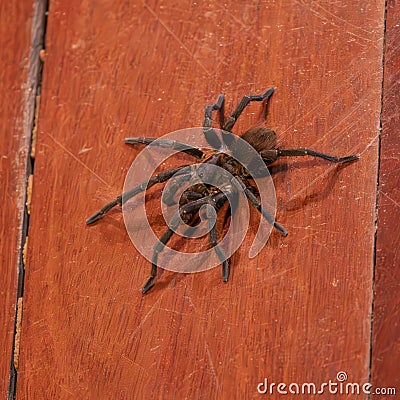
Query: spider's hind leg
x: 213, y: 237
x: 308, y: 152
x: 157, y: 249
x: 255, y: 202
x: 185, y: 214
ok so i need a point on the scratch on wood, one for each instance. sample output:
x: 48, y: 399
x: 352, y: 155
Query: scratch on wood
x: 214, y: 374
x: 176, y: 38
x: 341, y: 21
x: 78, y: 160
x: 65, y: 389
x: 125, y: 357
x: 332, y: 93
x: 389, y: 198
x: 207, y: 348
x: 144, y: 319
x: 371, y: 142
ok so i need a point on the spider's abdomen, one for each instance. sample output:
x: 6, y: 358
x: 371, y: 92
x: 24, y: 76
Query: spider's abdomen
x: 261, y: 138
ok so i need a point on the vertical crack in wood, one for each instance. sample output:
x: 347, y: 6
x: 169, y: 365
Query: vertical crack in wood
x: 32, y: 95
x: 384, y: 32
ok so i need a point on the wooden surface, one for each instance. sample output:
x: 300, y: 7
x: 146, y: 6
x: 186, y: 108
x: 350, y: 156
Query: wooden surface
x: 301, y: 310
x: 386, y: 332
x: 15, y: 106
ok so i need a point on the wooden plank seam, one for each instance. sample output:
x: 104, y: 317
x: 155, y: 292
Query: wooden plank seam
x: 31, y: 111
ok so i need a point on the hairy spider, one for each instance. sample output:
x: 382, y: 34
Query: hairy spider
x: 261, y: 138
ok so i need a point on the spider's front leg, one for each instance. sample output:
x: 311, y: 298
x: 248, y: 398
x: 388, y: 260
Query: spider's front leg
x: 230, y: 122
x: 169, y: 144
x: 159, y: 178
x: 209, y: 133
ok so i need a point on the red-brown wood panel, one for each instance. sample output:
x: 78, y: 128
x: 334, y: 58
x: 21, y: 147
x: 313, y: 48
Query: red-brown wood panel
x: 298, y: 312
x: 15, y: 106
x: 386, y: 326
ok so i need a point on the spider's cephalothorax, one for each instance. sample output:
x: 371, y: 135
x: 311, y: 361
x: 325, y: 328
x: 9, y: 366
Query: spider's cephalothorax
x: 262, y: 140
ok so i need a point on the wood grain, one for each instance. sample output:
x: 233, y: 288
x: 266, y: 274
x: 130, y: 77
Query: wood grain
x: 386, y: 327
x: 15, y: 124
x: 300, y: 311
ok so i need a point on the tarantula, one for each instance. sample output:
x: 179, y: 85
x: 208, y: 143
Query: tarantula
x: 261, y: 138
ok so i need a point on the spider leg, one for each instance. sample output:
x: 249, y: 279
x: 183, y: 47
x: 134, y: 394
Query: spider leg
x: 159, y: 178
x: 187, y: 212
x: 170, y: 192
x: 169, y: 144
x: 255, y: 202
x: 189, y: 195
x: 218, y: 106
x: 308, y: 152
x: 230, y: 122
x: 213, y: 237
x: 226, y: 270
x: 209, y: 133
x: 157, y: 249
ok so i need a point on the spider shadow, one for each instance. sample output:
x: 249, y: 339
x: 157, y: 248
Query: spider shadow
x: 169, y: 280
x: 111, y: 231
x: 297, y: 202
